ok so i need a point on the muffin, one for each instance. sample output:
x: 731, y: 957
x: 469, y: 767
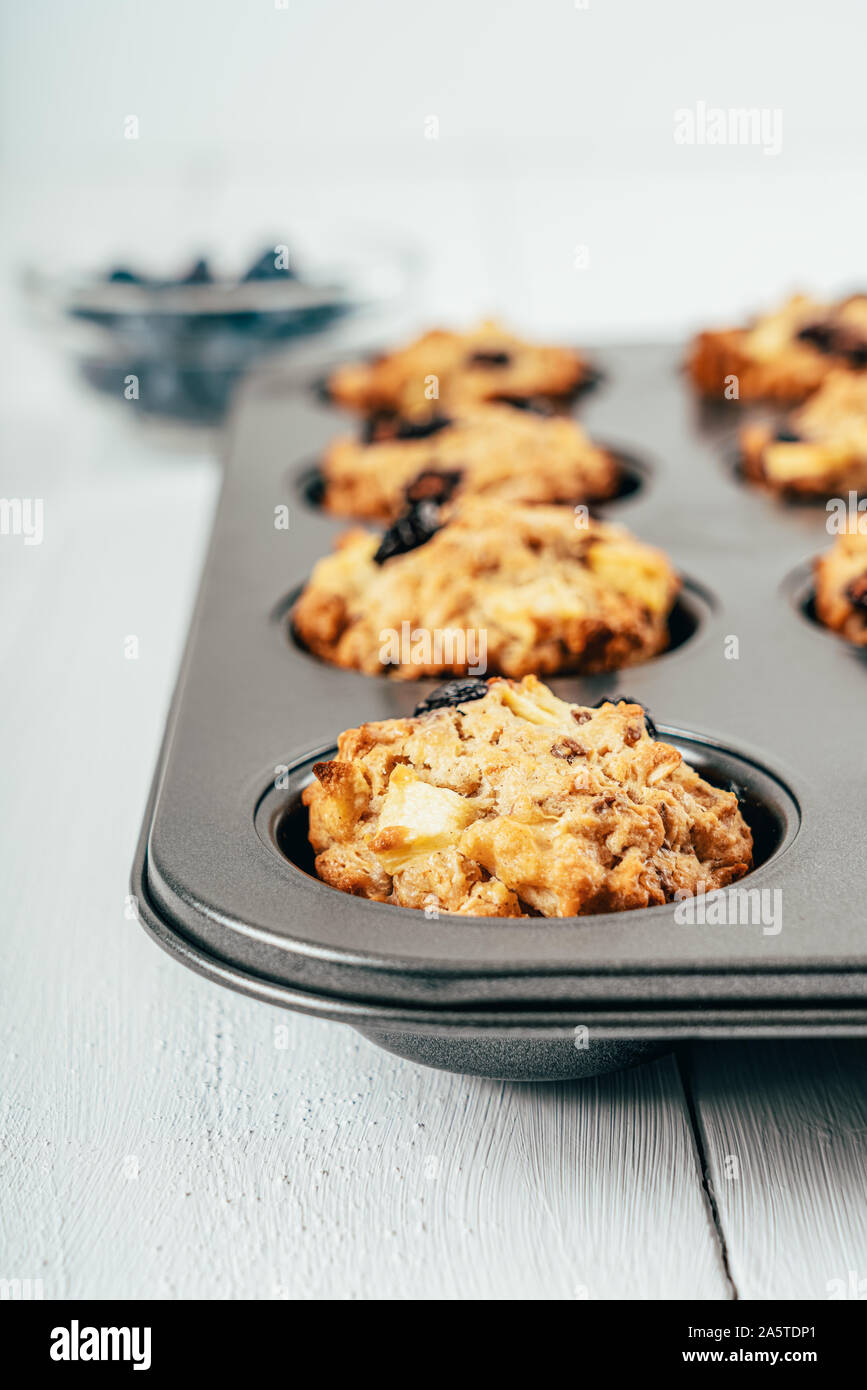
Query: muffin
x: 445, y: 370
x: 786, y: 354
x: 841, y: 585
x: 490, y: 450
x: 485, y: 586
x: 821, y: 449
x: 509, y: 802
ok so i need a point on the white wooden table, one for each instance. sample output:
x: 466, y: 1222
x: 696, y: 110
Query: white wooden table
x: 158, y: 1141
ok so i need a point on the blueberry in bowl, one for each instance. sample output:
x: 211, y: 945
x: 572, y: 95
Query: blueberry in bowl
x: 175, y: 341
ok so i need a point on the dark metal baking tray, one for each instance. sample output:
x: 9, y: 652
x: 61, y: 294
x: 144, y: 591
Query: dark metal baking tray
x: 223, y: 876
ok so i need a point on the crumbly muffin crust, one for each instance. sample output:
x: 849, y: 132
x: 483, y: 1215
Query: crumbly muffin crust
x: 549, y: 594
x: 520, y: 804
x: 821, y: 449
x: 486, y: 363
x: 841, y: 585
x: 783, y: 355
x: 491, y: 450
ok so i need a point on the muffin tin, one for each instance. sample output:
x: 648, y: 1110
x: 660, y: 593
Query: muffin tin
x: 223, y: 873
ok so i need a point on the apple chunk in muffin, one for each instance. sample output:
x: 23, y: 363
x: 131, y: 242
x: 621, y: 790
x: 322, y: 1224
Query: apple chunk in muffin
x: 512, y: 802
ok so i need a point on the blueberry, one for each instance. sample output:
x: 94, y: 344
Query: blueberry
x: 856, y: 593
x: 419, y: 522
x: 421, y: 429
x: 489, y: 358
x: 433, y: 485
x: 384, y: 424
x: 629, y: 700
x: 266, y: 268
x: 819, y: 335
x: 536, y: 405
x: 840, y: 339
x: 381, y: 425
x: 199, y: 273
x: 456, y: 692
x: 121, y: 275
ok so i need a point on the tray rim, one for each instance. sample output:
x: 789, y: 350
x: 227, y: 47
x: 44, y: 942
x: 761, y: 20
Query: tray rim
x: 538, y: 1022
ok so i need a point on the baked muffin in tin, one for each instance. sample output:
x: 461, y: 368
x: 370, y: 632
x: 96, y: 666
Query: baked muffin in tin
x: 499, y: 799
x: 443, y: 370
x: 841, y: 584
x: 820, y: 449
x: 785, y: 354
x: 485, y: 586
x: 489, y: 450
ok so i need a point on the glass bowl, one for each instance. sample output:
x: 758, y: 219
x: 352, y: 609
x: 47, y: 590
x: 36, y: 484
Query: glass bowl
x: 176, y: 345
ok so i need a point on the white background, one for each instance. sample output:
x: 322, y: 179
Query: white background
x: 555, y: 129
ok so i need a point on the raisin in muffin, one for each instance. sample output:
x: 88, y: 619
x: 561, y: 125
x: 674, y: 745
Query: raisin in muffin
x: 491, y: 450
x: 786, y: 354
x: 487, y: 586
x: 512, y: 803
x: 841, y: 586
x: 443, y: 369
x: 821, y: 448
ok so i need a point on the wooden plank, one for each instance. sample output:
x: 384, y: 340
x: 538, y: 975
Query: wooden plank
x: 784, y: 1128
x: 192, y: 1156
